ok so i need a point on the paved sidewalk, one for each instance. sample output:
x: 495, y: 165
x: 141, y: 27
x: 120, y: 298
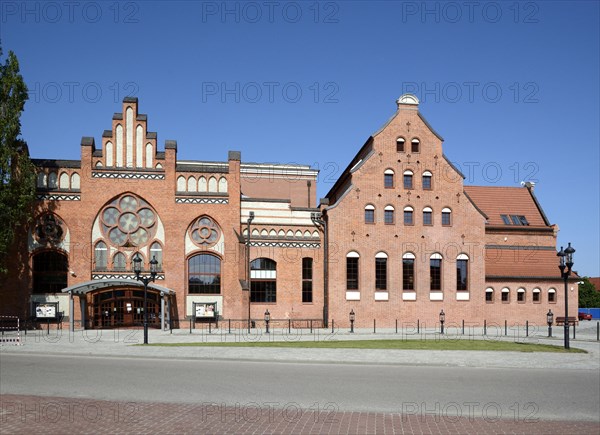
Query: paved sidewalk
x: 30, y: 414
x: 123, y: 343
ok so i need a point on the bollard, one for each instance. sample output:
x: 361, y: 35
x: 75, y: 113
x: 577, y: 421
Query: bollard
x: 311, y: 327
x: 505, y: 328
x: 463, y: 327
x: 418, y: 326
x: 48, y: 326
x: 289, y: 326
x: 484, y: 327
x: 209, y: 330
x: 574, y: 324
x: 229, y: 323
x: 374, y: 327
x: 332, y: 326
x: 396, y: 326
x: 526, y: 328
x: 190, y: 325
x: 597, y: 331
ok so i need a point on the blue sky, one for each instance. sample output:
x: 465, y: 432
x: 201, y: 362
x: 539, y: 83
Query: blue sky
x: 513, y: 87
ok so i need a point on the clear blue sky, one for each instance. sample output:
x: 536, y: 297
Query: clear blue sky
x: 513, y: 87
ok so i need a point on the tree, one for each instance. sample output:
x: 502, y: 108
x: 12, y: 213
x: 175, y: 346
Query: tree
x: 17, y: 173
x: 589, y: 297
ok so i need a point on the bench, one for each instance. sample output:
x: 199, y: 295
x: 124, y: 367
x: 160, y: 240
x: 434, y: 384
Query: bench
x: 572, y: 320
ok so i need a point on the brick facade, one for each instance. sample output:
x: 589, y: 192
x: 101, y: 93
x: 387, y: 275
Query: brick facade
x: 131, y: 198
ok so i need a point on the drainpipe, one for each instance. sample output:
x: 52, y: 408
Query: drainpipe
x: 320, y: 221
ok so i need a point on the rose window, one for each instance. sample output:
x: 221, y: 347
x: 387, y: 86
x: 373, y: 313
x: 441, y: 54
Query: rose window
x: 205, y: 232
x: 48, y: 230
x: 128, y: 221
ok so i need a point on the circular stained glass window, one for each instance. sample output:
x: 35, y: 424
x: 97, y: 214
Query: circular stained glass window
x: 128, y: 221
x: 48, y: 230
x: 205, y: 232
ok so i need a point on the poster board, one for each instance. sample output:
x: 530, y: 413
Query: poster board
x: 205, y: 310
x: 46, y: 310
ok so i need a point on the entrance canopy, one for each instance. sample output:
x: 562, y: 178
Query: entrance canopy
x: 99, y: 284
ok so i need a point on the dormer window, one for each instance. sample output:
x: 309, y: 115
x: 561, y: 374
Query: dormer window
x: 514, y: 219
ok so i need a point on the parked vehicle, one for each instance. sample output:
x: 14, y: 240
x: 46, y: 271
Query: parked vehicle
x: 584, y: 316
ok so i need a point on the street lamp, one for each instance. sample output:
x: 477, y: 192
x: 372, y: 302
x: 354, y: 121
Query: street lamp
x: 137, y: 268
x: 550, y: 321
x: 442, y: 320
x: 352, y: 317
x: 565, y: 266
x: 249, y: 277
x: 267, y: 319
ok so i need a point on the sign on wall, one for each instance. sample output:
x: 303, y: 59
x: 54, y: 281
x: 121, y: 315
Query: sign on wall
x: 46, y: 310
x: 205, y: 309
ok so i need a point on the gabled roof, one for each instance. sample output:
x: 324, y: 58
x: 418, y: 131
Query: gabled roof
x: 495, y: 201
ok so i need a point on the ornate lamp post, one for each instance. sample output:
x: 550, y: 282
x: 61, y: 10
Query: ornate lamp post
x: 137, y: 268
x: 442, y: 320
x: 565, y: 266
x: 267, y: 319
x: 550, y: 321
x: 352, y: 318
x: 249, y: 277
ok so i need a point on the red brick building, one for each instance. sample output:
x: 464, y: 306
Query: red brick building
x: 397, y: 237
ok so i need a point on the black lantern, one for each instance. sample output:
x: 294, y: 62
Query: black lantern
x: 566, y: 265
x: 137, y: 268
x: 550, y: 321
x: 442, y: 320
x: 352, y: 317
x: 267, y: 319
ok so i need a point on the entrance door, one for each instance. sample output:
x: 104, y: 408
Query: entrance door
x: 124, y: 308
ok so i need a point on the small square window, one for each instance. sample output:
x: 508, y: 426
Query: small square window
x: 515, y: 219
x: 400, y: 145
x: 415, y: 146
x: 551, y: 297
x: 523, y: 220
x: 505, y: 219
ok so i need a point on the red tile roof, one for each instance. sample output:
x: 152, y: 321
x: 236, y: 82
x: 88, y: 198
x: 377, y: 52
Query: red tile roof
x: 596, y: 282
x: 521, y: 262
x: 495, y: 201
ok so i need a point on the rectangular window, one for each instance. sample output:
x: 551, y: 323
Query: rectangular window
x: 489, y: 296
x: 400, y: 145
x: 426, y: 182
x: 352, y: 273
x: 505, y: 296
x: 551, y: 297
x: 381, y: 273
x: 408, y: 274
x: 408, y: 184
x: 536, y: 296
x: 462, y: 275
x: 427, y: 218
x: 307, y: 276
x: 369, y: 216
x: 408, y: 217
x: 445, y: 218
x: 415, y: 146
x: 389, y: 216
x: 263, y: 291
x: 435, y: 274
x: 515, y: 219
x: 523, y: 220
x: 520, y: 296
x: 388, y: 181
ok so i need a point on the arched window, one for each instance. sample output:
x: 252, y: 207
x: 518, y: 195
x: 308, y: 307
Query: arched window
x: 52, y: 180
x: 369, y: 214
x: 263, y: 273
x: 222, y: 184
x: 408, y: 215
x: 400, y: 144
x: 427, y: 216
x: 41, y: 179
x: 202, y: 185
x: 109, y: 153
x: 181, y: 184
x: 352, y: 261
x: 521, y: 295
x: 204, y: 274
x: 212, y: 184
x: 489, y: 294
x: 426, y: 180
x: 408, y: 179
x: 100, y: 256
x: 435, y: 271
x: 462, y: 272
x: 75, y: 181
x: 307, y: 280
x: 446, y: 216
x: 536, y: 293
x: 157, y: 253
x: 381, y: 271
x: 505, y: 294
x: 408, y: 271
x: 415, y: 145
x: 119, y: 262
x: 191, y: 184
x: 50, y: 270
x: 388, y: 179
x: 552, y: 295
x: 63, y: 181
x: 388, y: 214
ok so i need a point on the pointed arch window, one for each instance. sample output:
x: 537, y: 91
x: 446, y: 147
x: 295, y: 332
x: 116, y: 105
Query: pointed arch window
x: 204, y: 274
x: 157, y: 253
x: 101, y: 256
x: 119, y: 262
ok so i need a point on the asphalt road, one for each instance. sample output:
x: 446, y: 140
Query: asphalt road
x: 470, y: 392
